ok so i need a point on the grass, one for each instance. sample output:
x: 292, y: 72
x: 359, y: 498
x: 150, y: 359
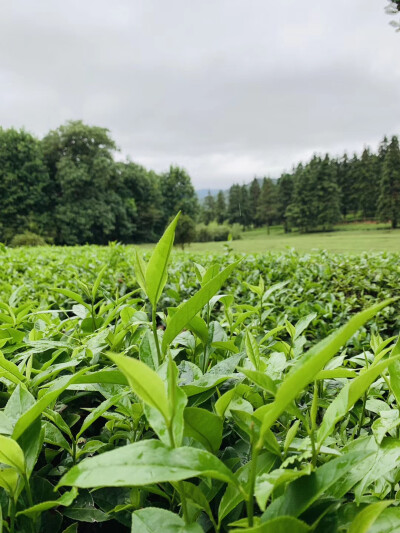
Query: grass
x: 349, y: 239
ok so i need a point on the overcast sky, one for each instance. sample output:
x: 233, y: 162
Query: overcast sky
x: 228, y: 89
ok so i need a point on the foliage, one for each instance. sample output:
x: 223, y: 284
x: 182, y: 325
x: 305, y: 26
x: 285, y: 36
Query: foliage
x: 392, y: 8
x: 208, y: 209
x: 178, y: 193
x: 254, y: 197
x: 267, y: 208
x: 24, y: 184
x: 257, y: 394
x: 316, y: 197
x: 185, y: 231
x: 316, y: 194
x: 235, y: 213
x: 217, y: 232
x: 27, y: 239
x: 220, y: 208
x: 284, y: 193
x: 69, y: 189
x: 389, y: 197
x: 82, y: 173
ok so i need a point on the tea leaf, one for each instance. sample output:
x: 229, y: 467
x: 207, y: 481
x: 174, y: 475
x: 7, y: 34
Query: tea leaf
x: 143, y: 463
x: 188, y: 310
x: 156, y: 271
x: 144, y: 382
x: 314, y: 361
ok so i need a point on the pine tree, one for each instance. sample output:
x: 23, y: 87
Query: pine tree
x: 208, y: 209
x: 382, y: 151
x: 389, y: 197
x: 285, y: 194
x: 342, y: 176
x: 245, y: 208
x: 234, y: 204
x: 300, y: 211
x: 327, y: 193
x: 350, y: 185
x: 220, y: 208
x: 316, y: 196
x: 268, y: 205
x: 369, y: 184
x: 254, y: 199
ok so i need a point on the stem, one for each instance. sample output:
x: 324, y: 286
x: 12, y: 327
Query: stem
x: 28, y: 491
x: 74, y: 451
x: 12, y: 515
x: 30, y: 501
x: 362, y: 417
x: 93, y: 317
x: 313, y: 416
x: 154, y: 321
x: 181, y: 490
x: 183, y: 502
x: 252, y: 482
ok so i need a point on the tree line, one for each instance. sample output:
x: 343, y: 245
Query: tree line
x: 69, y: 189
x: 318, y: 194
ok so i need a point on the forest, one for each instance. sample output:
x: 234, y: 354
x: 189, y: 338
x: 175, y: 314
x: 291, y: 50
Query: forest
x: 68, y: 188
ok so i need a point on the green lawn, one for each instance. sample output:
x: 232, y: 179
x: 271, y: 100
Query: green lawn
x: 350, y: 238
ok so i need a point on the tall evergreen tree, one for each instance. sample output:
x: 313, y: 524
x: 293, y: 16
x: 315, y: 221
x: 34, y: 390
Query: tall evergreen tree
x: 369, y: 184
x: 299, y: 213
x: 389, y: 197
x: 285, y: 194
x: 382, y: 151
x: 246, y: 218
x: 350, y: 184
x: 268, y: 208
x: 254, y: 199
x: 208, y: 209
x: 327, y: 194
x: 234, y: 204
x: 342, y: 173
x: 316, y: 198
x: 220, y: 208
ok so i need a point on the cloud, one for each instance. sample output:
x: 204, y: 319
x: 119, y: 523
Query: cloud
x: 226, y: 88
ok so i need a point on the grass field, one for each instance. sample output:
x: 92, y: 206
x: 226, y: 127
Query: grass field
x: 350, y: 238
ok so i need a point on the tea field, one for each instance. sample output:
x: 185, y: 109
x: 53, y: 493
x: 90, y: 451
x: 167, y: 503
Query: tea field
x: 198, y: 392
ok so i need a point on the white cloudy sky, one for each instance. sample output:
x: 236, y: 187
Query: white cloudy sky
x: 226, y: 88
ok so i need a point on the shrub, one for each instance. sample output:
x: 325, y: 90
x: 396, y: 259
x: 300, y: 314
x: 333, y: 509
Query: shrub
x: 27, y: 239
x: 217, y: 232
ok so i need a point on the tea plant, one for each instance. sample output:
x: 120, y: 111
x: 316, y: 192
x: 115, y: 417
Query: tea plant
x: 251, y: 395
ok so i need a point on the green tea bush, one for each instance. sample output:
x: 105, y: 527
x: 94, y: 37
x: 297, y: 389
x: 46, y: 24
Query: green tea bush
x: 190, y: 393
